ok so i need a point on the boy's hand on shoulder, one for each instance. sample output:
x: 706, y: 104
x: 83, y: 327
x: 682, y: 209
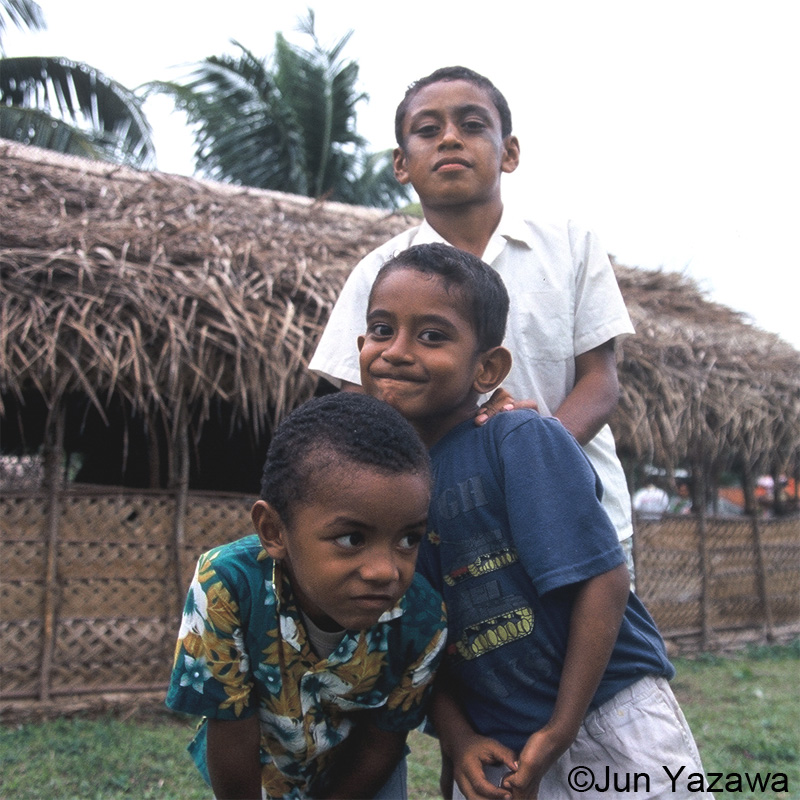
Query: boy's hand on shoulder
x: 501, y: 400
x: 470, y: 755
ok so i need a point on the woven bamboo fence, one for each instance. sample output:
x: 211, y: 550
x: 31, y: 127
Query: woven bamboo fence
x: 91, y: 589
x: 91, y: 592
x: 706, y: 581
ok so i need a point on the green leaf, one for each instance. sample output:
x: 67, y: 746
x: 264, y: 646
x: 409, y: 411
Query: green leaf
x: 83, y: 98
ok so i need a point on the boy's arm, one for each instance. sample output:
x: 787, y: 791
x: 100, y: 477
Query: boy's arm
x: 366, y: 762
x: 595, y: 394
x: 587, y: 407
x: 467, y: 750
x: 234, y: 763
x: 597, y: 613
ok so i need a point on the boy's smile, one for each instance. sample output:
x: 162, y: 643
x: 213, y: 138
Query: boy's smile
x: 453, y: 150
x: 351, y: 550
x: 420, y: 352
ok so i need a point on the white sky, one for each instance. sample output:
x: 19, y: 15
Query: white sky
x: 670, y: 128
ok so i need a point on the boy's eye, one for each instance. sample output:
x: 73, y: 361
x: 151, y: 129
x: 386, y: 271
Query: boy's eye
x: 474, y: 125
x: 379, y: 330
x: 432, y: 336
x: 410, y: 541
x: 349, y: 540
x: 426, y: 130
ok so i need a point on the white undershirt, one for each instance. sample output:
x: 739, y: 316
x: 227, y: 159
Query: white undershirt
x: 323, y: 642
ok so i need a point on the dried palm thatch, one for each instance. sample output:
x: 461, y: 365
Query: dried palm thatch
x: 167, y: 291
x: 700, y: 385
x: 174, y: 293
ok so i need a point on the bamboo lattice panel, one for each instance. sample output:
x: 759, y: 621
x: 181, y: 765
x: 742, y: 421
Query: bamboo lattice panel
x: 118, y: 600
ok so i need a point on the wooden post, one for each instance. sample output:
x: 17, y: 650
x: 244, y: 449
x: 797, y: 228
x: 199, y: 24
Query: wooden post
x: 761, y: 578
x: 751, y: 506
x: 181, y: 485
x: 53, y: 484
x: 705, y: 563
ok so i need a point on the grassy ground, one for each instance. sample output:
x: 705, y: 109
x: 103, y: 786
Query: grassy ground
x: 744, y: 711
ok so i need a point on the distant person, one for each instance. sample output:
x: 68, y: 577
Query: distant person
x: 554, y: 669
x: 454, y: 138
x: 650, y: 502
x: 682, y: 502
x: 310, y: 647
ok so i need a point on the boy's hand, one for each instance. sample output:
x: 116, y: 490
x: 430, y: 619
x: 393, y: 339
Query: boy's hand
x: 541, y: 751
x: 470, y: 755
x: 501, y: 400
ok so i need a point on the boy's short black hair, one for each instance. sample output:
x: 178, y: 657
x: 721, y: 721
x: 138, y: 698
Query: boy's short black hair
x: 454, y: 74
x: 329, y: 430
x: 484, y: 293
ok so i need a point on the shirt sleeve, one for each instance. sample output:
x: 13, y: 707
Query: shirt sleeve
x: 336, y: 355
x: 418, y: 654
x: 600, y: 311
x: 560, y: 529
x: 210, y: 675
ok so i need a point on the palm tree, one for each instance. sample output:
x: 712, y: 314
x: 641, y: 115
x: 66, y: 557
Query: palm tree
x: 23, y: 13
x: 68, y: 106
x: 288, y: 125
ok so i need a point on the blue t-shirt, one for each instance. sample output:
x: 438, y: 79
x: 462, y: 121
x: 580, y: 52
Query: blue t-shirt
x: 515, y: 523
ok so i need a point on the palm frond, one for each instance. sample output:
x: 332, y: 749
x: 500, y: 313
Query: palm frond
x: 244, y: 131
x: 40, y: 129
x: 23, y: 14
x: 288, y: 123
x: 372, y: 182
x: 84, y: 98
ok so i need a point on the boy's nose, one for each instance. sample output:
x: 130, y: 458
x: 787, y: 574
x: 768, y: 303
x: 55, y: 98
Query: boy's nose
x: 451, y: 136
x: 379, y: 566
x: 397, y: 351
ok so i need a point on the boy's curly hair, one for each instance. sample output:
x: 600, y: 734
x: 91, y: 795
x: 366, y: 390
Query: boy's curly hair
x: 329, y: 430
x: 482, y: 289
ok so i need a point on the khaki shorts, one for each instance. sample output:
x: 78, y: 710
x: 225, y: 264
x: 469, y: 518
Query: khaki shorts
x: 636, y: 745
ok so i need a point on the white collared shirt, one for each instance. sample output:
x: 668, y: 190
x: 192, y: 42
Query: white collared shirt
x: 564, y: 302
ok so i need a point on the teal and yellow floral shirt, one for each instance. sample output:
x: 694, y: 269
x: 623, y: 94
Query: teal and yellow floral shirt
x: 243, y: 650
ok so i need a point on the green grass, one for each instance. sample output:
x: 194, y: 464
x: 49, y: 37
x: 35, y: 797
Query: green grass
x: 744, y: 711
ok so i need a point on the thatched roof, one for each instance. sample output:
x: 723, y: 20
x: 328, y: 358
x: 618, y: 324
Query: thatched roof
x: 173, y: 293
x: 699, y: 384
x: 169, y: 291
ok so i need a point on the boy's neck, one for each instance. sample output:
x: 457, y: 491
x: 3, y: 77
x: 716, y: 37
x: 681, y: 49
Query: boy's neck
x: 433, y: 429
x: 467, y: 228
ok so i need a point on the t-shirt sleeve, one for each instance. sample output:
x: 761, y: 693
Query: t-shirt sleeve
x: 336, y: 355
x: 210, y: 675
x: 416, y: 656
x: 600, y: 311
x: 560, y: 529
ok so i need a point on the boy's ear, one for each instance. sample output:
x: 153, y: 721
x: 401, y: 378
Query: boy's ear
x: 360, y: 342
x: 493, y: 368
x: 510, y: 154
x: 270, y: 529
x: 400, y: 166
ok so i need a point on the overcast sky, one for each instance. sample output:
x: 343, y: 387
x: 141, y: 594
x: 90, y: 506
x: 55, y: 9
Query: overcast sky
x: 670, y: 128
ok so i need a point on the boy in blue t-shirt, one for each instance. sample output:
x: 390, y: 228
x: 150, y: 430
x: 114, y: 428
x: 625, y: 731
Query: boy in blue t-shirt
x: 311, y: 646
x: 552, y: 663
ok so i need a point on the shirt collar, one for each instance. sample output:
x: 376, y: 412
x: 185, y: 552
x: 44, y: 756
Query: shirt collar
x: 511, y: 227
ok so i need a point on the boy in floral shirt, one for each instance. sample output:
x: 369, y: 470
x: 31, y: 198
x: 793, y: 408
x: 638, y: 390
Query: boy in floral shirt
x: 311, y: 646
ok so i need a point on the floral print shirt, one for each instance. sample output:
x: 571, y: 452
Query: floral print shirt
x: 243, y: 650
